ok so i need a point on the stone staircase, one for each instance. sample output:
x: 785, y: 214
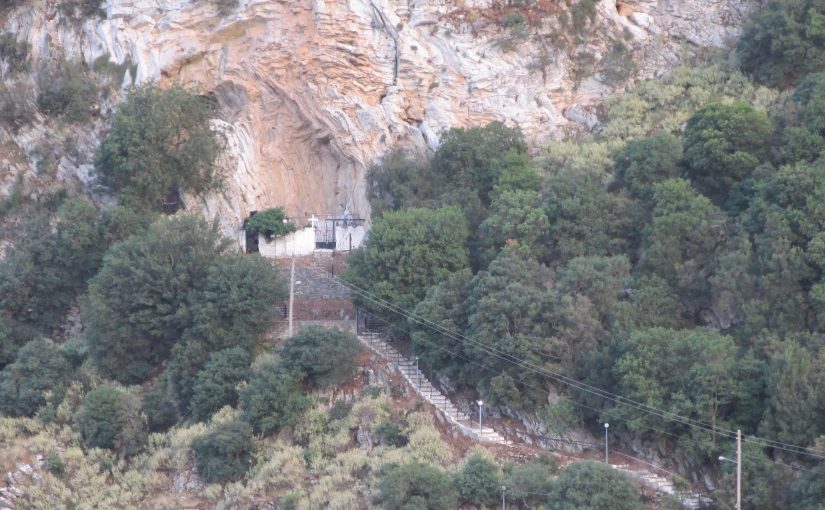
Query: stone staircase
x: 425, y: 389
x: 662, y: 485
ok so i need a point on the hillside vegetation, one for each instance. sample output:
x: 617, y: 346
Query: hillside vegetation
x: 676, y: 259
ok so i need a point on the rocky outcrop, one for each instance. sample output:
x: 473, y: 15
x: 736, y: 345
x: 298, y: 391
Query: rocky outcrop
x: 313, y: 91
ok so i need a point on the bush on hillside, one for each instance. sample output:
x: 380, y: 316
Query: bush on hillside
x: 67, y: 89
x: 322, y: 357
x: 417, y: 485
x: 592, y: 485
x: 224, y: 453
x: 110, y: 417
x: 478, y: 482
x: 216, y: 385
x: 272, y: 399
x: 39, y: 367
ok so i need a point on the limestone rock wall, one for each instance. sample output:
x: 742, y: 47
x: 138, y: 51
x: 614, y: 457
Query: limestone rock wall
x: 313, y: 91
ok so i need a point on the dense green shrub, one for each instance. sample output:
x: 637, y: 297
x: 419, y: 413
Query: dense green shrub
x: 784, y: 42
x: 39, y: 367
x: 528, y: 484
x: 160, y: 145
x: 417, y: 485
x: 592, y: 485
x: 216, y: 385
x: 67, y: 89
x: 225, y: 453
x: 41, y: 277
x: 159, y: 406
x: 272, y: 399
x: 320, y: 356
x: 173, y: 291
x: 723, y: 145
x: 110, y: 417
x: 478, y: 482
x: 406, y: 252
x: 270, y: 222
x: 645, y: 162
x: 140, y: 303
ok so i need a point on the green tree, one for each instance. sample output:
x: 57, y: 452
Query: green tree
x: 511, y: 310
x: 408, y: 251
x: 42, y: 276
x: 140, y: 303
x: 478, y: 482
x: 160, y: 145
x: 592, y: 485
x: 110, y: 417
x: 445, y: 304
x: 515, y: 216
x: 233, y: 306
x: 270, y: 222
x: 417, y: 486
x: 272, y: 399
x: 587, y: 220
x: 795, y: 408
x: 225, y: 453
x: 645, y: 162
x: 400, y: 182
x: 40, y: 367
x: 683, y: 239
x: 723, y: 144
x: 527, y: 484
x: 216, y: 385
x: 159, y: 406
x: 323, y: 357
x: 784, y: 42
x: 474, y: 158
x: 687, y: 372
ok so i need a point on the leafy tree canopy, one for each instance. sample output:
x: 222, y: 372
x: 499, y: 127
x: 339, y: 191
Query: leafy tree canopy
x: 723, y: 144
x: 272, y: 399
x: 110, y: 417
x: 784, y: 42
x: 419, y: 486
x: 39, y: 367
x: 225, y: 453
x: 406, y: 252
x: 160, y: 145
x: 216, y: 385
x: 270, y: 222
x: 321, y: 356
x: 592, y: 485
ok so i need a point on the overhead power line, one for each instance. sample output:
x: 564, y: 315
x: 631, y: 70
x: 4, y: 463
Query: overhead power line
x: 573, y: 383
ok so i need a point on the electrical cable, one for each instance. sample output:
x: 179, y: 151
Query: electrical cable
x: 618, y: 399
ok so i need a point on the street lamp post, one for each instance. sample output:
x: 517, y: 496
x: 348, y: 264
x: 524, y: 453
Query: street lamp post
x: 606, y: 426
x: 480, y: 403
x: 738, y: 463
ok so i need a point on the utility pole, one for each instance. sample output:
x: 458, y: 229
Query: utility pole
x: 738, y: 463
x: 738, y: 469
x: 503, y: 500
x: 417, y: 374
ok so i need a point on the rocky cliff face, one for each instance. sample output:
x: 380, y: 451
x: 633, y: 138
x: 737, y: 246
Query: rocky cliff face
x: 313, y: 91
